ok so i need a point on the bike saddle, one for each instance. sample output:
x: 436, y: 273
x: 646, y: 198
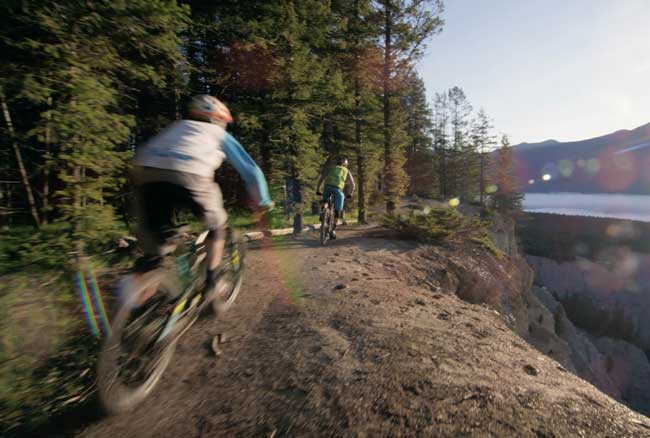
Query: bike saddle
x: 171, y: 237
x: 174, y: 233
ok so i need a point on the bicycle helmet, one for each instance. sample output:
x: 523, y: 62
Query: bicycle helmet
x: 209, y: 109
x: 342, y: 162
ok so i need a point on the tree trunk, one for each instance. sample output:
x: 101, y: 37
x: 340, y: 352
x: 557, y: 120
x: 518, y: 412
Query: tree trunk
x: 296, y: 202
x: 178, y: 113
x: 46, y: 170
x: 389, y: 183
x: 482, y: 183
x: 266, y: 152
x: 5, y: 210
x: 443, y: 174
x: 84, y: 200
x: 361, y: 159
x: 21, y: 165
x: 411, y: 167
x: 77, y: 224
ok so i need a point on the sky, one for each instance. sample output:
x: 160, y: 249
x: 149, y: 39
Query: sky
x: 550, y: 69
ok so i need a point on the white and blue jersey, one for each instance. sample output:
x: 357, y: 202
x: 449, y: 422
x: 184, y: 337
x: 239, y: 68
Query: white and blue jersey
x: 199, y: 148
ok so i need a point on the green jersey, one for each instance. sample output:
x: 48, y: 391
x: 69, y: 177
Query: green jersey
x: 337, y: 177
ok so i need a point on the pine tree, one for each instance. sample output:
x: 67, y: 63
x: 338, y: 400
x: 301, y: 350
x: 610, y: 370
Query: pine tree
x: 419, y: 164
x: 508, y: 197
x: 362, y: 67
x: 307, y: 90
x: 77, y: 66
x: 459, y: 163
x: 407, y: 24
x: 441, y: 144
x: 483, y: 141
x: 20, y: 163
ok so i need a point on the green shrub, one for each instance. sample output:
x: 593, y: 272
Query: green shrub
x: 24, y: 247
x: 51, y: 247
x: 439, y: 225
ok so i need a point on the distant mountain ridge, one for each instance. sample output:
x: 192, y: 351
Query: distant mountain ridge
x: 525, y: 145
x: 614, y: 163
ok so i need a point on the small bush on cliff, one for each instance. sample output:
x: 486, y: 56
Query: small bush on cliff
x: 439, y: 225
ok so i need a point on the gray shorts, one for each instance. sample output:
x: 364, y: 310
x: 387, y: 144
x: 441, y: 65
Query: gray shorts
x: 160, y: 191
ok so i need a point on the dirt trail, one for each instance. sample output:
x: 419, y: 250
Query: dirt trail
x: 378, y: 357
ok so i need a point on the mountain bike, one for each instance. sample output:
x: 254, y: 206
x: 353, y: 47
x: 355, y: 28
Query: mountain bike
x: 143, y: 336
x: 327, y: 220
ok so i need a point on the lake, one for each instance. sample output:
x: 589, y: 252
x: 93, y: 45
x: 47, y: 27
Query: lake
x: 633, y: 207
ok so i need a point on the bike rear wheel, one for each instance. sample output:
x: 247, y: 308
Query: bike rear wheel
x: 132, y: 361
x: 230, y: 282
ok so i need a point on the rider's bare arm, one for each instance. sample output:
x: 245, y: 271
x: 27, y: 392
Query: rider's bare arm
x: 350, y: 181
x: 321, y: 180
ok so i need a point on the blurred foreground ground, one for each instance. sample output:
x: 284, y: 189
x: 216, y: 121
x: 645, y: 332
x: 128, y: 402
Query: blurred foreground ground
x: 355, y: 339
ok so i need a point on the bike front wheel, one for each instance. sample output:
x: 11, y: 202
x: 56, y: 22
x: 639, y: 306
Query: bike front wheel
x: 133, y: 357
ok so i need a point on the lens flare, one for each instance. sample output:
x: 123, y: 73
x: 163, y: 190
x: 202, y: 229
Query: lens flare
x: 593, y: 166
x: 99, y: 302
x: 565, y: 168
x: 88, y: 307
x: 550, y: 169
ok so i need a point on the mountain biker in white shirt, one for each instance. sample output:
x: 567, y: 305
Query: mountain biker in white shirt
x: 177, y: 167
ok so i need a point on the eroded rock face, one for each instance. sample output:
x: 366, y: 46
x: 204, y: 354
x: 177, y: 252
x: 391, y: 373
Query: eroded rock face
x: 541, y: 331
x: 628, y: 369
x: 616, y: 289
x: 571, y: 346
x: 616, y: 367
x: 483, y: 278
x: 503, y: 235
x: 562, y: 278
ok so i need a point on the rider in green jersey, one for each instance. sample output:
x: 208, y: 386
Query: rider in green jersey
x: 336, y: 178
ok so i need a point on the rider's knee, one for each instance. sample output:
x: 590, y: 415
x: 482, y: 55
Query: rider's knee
x: 216, y: 233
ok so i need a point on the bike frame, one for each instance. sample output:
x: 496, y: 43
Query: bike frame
x: 187, y: 274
